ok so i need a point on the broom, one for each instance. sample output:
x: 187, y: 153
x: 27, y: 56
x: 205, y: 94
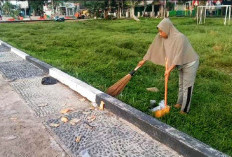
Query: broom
x: 161, y: 112
x: 118, y: 87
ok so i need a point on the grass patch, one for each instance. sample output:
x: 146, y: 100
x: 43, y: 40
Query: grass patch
x: 101, y: 52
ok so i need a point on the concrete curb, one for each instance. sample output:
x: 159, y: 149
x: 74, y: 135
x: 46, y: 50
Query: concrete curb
x: 177, y: 140
x: 28, y: 21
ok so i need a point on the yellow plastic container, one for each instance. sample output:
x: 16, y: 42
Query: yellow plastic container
x: 167, y: 109
x: 162, y: 112
x: 158, y: 113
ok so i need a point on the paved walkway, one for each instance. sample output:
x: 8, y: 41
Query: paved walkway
x: 31, y: 120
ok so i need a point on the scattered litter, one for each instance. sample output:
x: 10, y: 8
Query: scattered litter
x: 160, y: 110
x: 153, y: 89
x: 217, y: 47
x: 54, y: 125
x: 65, y: 110
x: 82, y: 100
x: 13, y: 118
x: 94, y: 104
x: 43, y: 105
x: 84, y: 153
x: 78, y: 139
x: 74, y: 121
x: 85, y: 112
x: 92, y: 108
x: 64, y: 119
x: 156, y: 108
x: 91, y: 118
x: 161, y: 104
x: 11, y: 137
x: 102, y: 105
x: 152, y: 102
x: 48, y: 81
x: 109, y: 114
x: 88, y: 125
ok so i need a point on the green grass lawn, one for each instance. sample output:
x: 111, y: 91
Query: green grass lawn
x: 101, y: 52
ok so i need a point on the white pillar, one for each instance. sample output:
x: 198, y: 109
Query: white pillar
x: 200, y: 21
x: 226, y: 15
x: 205, y: 15
x: 152, y: 13
x: 138, y: 14
x: 229, y: 14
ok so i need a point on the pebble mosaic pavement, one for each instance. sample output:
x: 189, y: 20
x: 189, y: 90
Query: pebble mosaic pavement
x: 101, y: 133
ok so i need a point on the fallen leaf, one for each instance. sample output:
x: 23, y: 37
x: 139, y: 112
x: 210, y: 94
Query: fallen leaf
x: 14, y: 119
x: 78, y: 139
x: 42, y: 105
x: 153, y: 89
x: 92, y: 108
x: 74, y: 121
x: 86, y: 112
x: 91, y: 118
x: 82, y: 100
x: 109, y: 114
x: 11, y: 137
x: 102, y: 105
x: 65, y: 110
x: 88, y: 125
x: 217, y: 48
x: 54, y: 125
x: 64, y: 119
x: 94, y: 104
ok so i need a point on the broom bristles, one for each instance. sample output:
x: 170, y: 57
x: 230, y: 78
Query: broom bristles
x: 118, y: 87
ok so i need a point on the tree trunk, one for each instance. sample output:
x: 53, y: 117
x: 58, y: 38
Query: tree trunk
x: 105, y: 14
x: 122, y: 13
x: 132, y: 12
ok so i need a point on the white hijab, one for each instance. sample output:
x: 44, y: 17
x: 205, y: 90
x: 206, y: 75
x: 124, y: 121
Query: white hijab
x: 176, y: 48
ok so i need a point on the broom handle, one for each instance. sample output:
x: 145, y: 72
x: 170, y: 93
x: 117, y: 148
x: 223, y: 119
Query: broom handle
x: 166, y: 84
x: 137, y: 68
x: 133, y: 71
x: 166, y: 90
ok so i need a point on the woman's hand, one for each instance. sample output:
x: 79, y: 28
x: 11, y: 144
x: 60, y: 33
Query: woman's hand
x: 168, y: 71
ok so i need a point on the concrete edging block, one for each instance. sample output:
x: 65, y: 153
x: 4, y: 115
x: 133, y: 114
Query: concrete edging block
x: 16, y: 51
x: 81, y: 87
x: 39, y: 63
x: 19, y: 53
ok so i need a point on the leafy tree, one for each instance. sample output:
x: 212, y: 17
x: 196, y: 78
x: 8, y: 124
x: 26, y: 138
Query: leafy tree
x: 10, y: 9
x: 132, y: 4
x: 97, y: 7
x: 7, y: 7
x: 37, y: 6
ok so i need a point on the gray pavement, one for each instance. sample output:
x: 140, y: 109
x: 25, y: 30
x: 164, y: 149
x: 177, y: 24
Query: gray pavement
x: 33, y: 108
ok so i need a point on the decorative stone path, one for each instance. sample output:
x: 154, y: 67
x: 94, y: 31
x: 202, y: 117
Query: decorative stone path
x: 99, y: 133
